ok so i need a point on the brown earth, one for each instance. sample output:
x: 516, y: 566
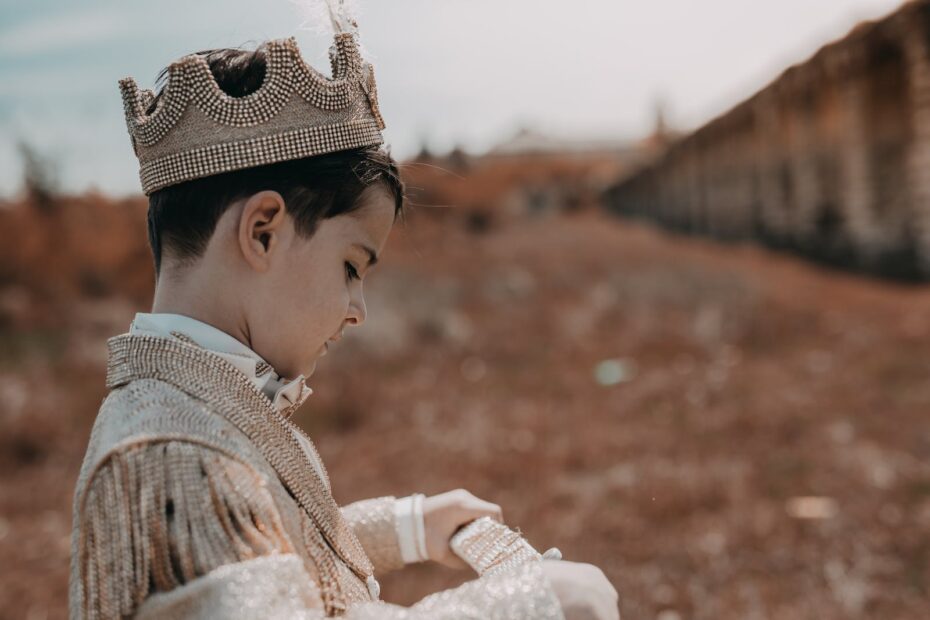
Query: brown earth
x: 740, y: 381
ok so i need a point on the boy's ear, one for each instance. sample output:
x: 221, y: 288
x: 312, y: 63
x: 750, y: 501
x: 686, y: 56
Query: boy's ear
x: 260, y: 227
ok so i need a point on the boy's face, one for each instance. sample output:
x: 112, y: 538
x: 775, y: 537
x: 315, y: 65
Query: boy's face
x: 313, y: 290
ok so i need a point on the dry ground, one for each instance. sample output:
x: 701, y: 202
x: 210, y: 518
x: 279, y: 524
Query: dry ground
x: 739, y: 381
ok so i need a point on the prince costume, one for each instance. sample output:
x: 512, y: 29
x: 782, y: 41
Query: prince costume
x: 198, y: 496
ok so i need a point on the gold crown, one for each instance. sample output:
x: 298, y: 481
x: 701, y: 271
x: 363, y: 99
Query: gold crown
x: 197, y: 130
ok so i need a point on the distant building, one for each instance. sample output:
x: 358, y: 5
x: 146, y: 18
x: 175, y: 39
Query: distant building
x: 832, y: 159
x: 529, y: 174
x: 528, y: 142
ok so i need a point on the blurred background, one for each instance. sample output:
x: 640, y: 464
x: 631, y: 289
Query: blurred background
x: 662, y: 293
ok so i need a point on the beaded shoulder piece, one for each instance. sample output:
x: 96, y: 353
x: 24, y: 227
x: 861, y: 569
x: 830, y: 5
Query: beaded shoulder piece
x: 196, y: 130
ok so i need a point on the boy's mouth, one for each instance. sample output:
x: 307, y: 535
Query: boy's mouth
x: 333, y: 340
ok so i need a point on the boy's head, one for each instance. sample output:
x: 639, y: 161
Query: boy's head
x: 274, y: 254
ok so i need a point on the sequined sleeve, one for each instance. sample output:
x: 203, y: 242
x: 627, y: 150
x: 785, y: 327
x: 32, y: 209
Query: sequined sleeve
x: 373, y: 522
x: 278, y: 588
x: 519, y: 593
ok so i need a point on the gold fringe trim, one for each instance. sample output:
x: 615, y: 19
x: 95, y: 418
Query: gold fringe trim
x: 159, y: 515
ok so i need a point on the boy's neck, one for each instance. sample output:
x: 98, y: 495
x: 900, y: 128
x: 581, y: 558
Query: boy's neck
x: 186, y: 297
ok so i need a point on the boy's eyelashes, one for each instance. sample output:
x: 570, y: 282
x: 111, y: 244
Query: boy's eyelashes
x: 351, y: 272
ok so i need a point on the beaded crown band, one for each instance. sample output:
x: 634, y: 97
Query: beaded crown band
x: 197, y: 130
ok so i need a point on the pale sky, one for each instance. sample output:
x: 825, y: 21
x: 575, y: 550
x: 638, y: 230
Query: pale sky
x: 450, y: 72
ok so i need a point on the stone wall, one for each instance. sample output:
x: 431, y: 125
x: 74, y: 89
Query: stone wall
x: 831, y: 159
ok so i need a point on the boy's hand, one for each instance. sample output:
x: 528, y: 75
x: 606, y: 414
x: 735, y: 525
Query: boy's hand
x: 582, y: 590
x: 443, y: 514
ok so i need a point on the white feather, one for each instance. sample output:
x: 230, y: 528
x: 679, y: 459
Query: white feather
x: 335, y: 16
x: 328, y: 17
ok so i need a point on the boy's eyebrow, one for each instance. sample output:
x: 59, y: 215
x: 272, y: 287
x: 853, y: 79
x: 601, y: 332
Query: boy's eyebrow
x: 372, y: 255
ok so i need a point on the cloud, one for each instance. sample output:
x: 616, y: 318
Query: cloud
x: 62, y: 32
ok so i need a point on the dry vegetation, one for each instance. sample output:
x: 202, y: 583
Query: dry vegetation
x: 740, y: 381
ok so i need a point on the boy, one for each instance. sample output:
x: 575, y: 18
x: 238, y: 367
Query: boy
x: 270, y: 201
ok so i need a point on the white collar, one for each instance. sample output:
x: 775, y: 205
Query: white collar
x: 283, y: 394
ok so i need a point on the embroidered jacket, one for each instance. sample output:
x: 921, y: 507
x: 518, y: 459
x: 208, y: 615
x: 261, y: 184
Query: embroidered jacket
x: 198, y: 499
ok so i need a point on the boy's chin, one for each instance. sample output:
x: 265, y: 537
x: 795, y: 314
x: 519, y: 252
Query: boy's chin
x: 310, y: 367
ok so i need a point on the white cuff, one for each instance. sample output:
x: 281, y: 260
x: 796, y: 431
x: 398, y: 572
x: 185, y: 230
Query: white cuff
x: 411, y: 530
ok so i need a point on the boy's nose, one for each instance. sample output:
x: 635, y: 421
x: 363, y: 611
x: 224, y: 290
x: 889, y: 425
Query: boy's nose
x: 357, y: 313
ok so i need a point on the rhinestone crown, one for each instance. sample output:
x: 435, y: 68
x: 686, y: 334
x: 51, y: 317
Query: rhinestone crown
x: 197, y: 130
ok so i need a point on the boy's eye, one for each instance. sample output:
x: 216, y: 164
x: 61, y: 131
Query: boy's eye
x: 351, y: 272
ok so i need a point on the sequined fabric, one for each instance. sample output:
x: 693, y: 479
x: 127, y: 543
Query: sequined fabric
x: 273, y: 586
x: 373, y: 523
x: 190, y: 470
x: 490, y: 547
x: 277, y: 588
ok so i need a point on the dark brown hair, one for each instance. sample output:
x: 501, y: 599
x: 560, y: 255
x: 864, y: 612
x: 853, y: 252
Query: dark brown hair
x: 183, y: 217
